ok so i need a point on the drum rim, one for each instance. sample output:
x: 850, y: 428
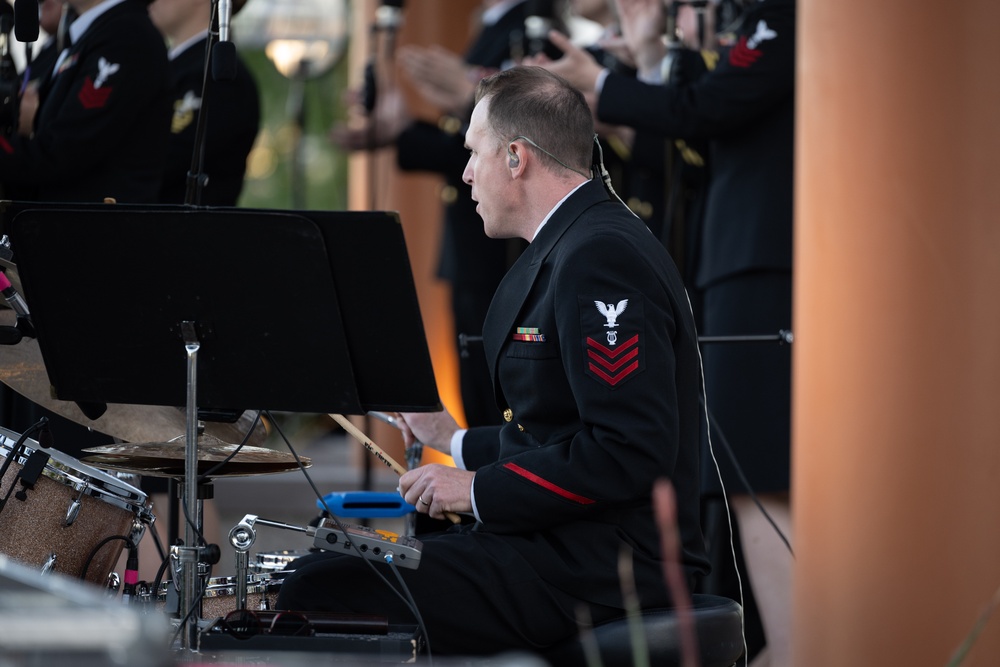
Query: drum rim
x: 97, y: 483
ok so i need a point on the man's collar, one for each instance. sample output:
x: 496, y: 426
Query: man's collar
x: 178, y: 49
x: 555, y: 208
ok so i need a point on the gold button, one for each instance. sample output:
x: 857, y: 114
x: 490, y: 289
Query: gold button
x: 520, y: 428
x: 449, y: 194
x: 508, y: 415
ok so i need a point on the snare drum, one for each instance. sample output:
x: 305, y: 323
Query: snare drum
x: 62, y: 521
x: 219, y: 597
x: 276, y: 561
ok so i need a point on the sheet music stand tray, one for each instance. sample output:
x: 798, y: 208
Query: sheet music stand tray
x: 293, y: 311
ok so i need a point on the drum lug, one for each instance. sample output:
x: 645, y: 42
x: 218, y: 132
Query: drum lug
x: 114, y: 583
x: 72, y: 513
x: 49, y: 563
x: 74, y: 507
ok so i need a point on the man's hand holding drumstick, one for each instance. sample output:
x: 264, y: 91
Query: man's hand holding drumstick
x: 436, y: 490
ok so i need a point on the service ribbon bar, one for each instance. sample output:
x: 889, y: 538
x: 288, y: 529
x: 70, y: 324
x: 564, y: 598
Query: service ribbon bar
x: 529, y: 334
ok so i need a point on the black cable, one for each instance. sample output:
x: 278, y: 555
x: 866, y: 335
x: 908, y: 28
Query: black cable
x: 745, y: 481
x: 413, y: 606
x: 93, y: 552
x: 191, y: 522
x: 183, y: 623
x: 408, y: 598
x: 159, y: 545
x: 207, y: 475
x: 243, y: 442
x: 159, y: 577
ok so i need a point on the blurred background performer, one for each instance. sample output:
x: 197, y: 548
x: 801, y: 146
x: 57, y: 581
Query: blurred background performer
x: 54, y: 17
x: 100, y: 130
x: 103, y: 116
x: 744, y: 107
x: 471, y: 263
x: 233, y: 108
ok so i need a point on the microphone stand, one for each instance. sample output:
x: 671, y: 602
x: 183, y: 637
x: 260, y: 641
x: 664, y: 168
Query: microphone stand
x: 196, y: 179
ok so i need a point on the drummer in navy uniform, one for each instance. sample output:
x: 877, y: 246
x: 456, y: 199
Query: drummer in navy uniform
x: 593, y: 355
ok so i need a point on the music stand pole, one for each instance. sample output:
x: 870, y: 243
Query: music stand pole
x: 191, y: 612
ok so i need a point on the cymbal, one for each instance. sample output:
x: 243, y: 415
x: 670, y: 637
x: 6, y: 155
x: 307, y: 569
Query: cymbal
x: 166, y: 459
x: 22, y: 369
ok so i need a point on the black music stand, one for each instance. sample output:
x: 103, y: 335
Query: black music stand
x: 292, y: 311
x: 297, y: 311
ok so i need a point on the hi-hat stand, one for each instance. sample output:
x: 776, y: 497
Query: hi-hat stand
x: 267, y: 305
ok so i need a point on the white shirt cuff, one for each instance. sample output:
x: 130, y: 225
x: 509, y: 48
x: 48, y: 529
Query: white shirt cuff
x: 658, y: 74
x: 457, y: 439
x: 456, y: 448
x: 601, y: 77
x: 472, y: 494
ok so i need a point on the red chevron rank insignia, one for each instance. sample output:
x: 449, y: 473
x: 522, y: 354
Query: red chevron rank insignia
x: 92, y: 97
x: 613, y: 365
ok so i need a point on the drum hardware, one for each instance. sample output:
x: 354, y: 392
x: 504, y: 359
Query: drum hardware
x: 15, y: 454
x: 70, y: 514
x: 218, y: 595
x: 74, y: 509
x: 49, y: 563
x: 246, y: 623
x: 206, y: 305
x: 27, y: 476
x: 113, y: 585
x: 377, y: 545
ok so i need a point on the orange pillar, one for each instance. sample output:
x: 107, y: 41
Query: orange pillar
x: 897, y: 332
x: 416, y: 196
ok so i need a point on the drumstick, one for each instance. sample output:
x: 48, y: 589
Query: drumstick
x: 380, y: 453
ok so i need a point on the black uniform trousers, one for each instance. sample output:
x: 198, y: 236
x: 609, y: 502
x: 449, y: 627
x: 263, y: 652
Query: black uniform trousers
x: 474, y: 591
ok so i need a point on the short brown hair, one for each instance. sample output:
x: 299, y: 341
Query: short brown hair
x: 535, y: 103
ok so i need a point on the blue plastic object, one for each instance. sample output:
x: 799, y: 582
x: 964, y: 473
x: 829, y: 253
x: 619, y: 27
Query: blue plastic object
x: 366, y: 504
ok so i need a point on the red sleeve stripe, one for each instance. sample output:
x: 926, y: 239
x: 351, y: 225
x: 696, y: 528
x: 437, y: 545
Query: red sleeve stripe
x: 530, y: 476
